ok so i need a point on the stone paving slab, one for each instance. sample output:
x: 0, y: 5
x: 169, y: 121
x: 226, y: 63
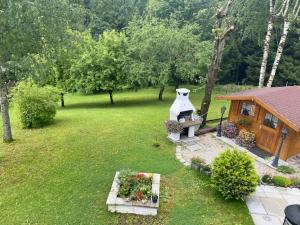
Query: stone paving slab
x: 265, y: 220
x: 208, y: 147
x: 255, y: 205
x: 267, y: 204
x: 193, y: 148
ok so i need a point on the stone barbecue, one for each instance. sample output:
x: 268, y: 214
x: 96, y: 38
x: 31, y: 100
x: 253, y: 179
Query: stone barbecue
x: 182, y: 111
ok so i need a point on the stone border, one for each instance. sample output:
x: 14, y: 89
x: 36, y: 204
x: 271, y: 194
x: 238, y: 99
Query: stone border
x: 179, y: 156
x: 116, y: 204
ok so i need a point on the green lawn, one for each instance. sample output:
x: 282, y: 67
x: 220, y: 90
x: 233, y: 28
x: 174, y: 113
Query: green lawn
x: 62, y: 174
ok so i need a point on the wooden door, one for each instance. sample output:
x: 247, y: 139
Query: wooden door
x: 266, y: 138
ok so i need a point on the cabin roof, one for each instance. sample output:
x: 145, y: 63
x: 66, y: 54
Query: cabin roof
x: 283, y: 102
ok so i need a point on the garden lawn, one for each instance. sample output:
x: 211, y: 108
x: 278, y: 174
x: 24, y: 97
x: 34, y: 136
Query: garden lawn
x: 62, y: 174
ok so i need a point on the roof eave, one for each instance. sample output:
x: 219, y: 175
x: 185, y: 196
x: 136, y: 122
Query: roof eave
x: 258, y: 101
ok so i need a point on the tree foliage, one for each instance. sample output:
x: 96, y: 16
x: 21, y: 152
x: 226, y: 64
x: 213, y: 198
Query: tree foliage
x: 162, y: 55
x: 102, y: 65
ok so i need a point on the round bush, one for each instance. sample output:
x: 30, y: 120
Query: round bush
x: 229, y: 130
x: 281, y: 181
x: 233, y: 174
x: 296, y: 182
x: 37, y: 105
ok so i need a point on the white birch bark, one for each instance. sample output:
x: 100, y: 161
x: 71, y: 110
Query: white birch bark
x: 266, y: 46
x: 286, y: 26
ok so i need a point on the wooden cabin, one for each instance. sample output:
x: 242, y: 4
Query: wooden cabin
x: 269, y: 110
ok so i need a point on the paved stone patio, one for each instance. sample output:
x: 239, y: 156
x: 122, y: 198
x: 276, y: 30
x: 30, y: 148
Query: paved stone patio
x: 267, y: 204
x: 207, y: 147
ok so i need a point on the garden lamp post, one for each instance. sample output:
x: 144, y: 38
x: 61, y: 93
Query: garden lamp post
x: 223, y: 109
x: 284, y: 133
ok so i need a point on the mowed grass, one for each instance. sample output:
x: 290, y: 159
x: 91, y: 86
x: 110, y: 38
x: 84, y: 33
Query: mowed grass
x: 62, y: 174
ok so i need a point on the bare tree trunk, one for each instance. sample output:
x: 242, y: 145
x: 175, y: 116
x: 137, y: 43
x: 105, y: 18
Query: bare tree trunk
x: 213, y: 69
x: 161, y: 92
x: 212, y: 77
x: 7, y: 134
x: 266, y: 46
x: 281, y: 44
x: 62, y: 99
x: 173, y: 71
x: 211, y: 80
x: 111, y: 97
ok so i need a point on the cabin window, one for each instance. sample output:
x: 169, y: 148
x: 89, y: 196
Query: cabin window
x: 247, y: 109
x: 270, y: 120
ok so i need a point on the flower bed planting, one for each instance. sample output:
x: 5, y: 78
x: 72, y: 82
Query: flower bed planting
x: 136, y: 193
x: 135, y: 186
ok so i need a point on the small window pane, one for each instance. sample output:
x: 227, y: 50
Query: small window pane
x: 270, y: 121
x: 247, y: 109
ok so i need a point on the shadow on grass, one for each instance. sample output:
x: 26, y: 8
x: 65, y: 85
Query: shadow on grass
x: 118, y: 104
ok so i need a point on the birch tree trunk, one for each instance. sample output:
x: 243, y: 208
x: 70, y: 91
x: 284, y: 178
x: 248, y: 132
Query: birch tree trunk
x: 7, y: 134
x: 214, y: 67
x: 264, y: 62
x: 286, y: 26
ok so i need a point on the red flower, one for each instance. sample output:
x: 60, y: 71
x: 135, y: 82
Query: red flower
x: 139, y: 195
x: 138, y: 176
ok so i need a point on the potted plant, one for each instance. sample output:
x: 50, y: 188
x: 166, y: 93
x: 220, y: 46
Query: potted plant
x: 154, y: 198
x: 245, y: 122
x: 206, y: 169
x: 266, y: 179
x: 174, y: 129
x: 196, y: 163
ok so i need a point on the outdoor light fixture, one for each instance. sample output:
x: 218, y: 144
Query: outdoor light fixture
x: 284, y: 133
x: 223, y: 109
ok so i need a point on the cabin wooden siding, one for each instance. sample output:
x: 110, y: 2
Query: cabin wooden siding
x: 293, y: 144
x: 268, y: 139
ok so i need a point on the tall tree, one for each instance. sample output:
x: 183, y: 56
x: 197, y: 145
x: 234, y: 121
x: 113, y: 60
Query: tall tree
x: 267, y: 40
x: 221, y: 30
x: 102, y: 65
x: 289, y: 15
x: 26, y: 27
x: 114, y: 68
x: 163, y: 55
x: 113, y: 15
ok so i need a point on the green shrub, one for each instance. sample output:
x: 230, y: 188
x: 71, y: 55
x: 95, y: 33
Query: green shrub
x: 281, y: 181
x: 296, y: 182
x: 285, y: 169
x: 267, y: 179
x: 233, y: 174
x: 36, y: 105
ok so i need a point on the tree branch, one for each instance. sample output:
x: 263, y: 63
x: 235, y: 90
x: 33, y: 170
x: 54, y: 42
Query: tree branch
x: 226, y: 32
x: 295, y: 7
x: 297, y: 12
x: 281, y: 8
